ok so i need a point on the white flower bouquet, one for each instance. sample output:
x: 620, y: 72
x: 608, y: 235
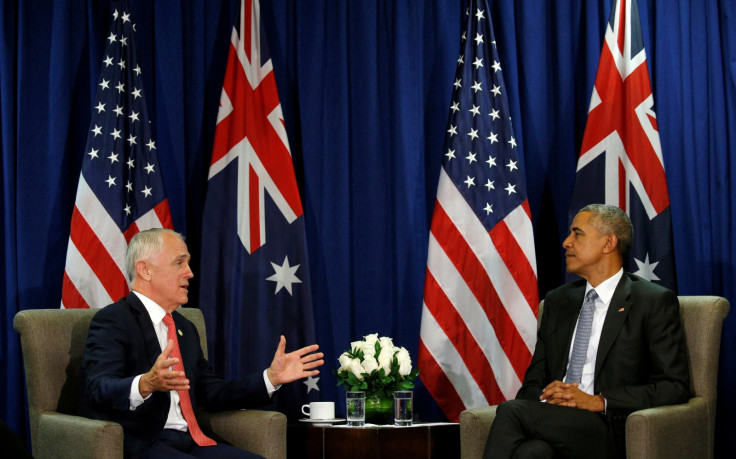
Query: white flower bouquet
x: 376, y: 366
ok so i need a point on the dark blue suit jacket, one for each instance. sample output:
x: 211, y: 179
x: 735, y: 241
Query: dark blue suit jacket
x: 121, y: 345
x: 641, y: 361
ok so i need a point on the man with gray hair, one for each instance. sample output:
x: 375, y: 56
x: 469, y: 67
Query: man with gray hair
x: 143, y: 366
x: 608, y: 344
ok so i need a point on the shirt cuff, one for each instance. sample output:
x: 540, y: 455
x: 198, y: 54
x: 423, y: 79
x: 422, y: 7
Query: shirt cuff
x: 136, y: 399
x: 269, y: 387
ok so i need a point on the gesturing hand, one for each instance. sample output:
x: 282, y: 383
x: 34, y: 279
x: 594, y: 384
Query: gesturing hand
x: 161, y: 377
x: 299, y: 364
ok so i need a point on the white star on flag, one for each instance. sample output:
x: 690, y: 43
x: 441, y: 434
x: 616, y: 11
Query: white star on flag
x: 106, y: 212
x: 311, y: 383
x: 646, y: 269
x: 621, y: 159
x: 284, y: 276
x: 478, y: 324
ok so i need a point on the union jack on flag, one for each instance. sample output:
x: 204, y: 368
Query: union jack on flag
x: 120, y: 191
x: 478, y: 327
x: 249, y: 123
x: 254, y: 288
x: 621, y: 159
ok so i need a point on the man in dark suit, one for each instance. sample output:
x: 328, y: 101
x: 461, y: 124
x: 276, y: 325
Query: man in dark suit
x: 590, y: 370
x: 132, y: 369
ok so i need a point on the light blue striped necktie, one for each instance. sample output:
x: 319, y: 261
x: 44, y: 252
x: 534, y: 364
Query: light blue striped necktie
x: 582, y: 337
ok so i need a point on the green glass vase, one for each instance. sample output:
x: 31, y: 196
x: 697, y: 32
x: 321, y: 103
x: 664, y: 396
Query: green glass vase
x: 379, y: 408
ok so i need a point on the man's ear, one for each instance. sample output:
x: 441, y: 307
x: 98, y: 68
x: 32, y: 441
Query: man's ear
x: 142, y: 271
x: 611, y: 244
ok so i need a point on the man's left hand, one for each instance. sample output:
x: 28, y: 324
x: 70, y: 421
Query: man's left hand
x: 299, y: 364
x: 564, y: 394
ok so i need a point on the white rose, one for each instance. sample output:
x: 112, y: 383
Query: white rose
x: 370, y: 364
x: 404, y: 361
x: 384, y: 360
x: 344, y: 360
x: 386, y: 342
x: 369, y: 345
x: 369, y: 350
x: 371, y: 339
x: 356, y: 368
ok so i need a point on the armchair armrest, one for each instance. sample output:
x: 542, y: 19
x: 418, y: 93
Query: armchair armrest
x: 260, y: 432
x: 63, y: 435
x: 475, y: 425
x: 669, y: 431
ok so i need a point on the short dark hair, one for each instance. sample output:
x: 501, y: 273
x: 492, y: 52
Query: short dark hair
x: 609, y: 219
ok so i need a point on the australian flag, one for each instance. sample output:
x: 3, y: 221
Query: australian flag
x: 255, y: 280
x: 620, y: 159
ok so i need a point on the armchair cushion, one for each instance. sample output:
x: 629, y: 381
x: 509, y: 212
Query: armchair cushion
x: 262, y: 427
x: 90, y: 439
x: 668, y: 431
x: 475, y: 425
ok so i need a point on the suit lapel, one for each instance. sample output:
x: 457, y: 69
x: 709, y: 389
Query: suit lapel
x: 145, y: 324
x: 618, y: 309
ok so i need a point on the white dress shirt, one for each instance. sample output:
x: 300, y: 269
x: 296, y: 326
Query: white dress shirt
x: 605, y: 292
x: 175, y: 419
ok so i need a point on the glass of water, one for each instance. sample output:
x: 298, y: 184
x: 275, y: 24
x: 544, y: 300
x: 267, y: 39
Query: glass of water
x: 355, y: 401
x: 403, y: 407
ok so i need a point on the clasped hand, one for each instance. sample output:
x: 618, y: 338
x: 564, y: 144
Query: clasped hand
x: 162, y: 377
x: 565, y: 394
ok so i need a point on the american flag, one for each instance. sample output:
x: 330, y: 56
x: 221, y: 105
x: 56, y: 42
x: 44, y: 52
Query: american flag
x: 620, y: 159
x: 480, y: 296
x: 120, y: 189
x: 255, y: 283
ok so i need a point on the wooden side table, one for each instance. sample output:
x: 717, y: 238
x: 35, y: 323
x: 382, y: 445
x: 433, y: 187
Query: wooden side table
x: 432, y: 440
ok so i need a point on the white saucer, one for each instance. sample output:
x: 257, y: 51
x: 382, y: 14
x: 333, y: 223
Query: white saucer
x: 322, y: 421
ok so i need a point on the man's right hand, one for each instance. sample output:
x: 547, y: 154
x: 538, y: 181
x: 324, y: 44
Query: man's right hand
x: 565, y: 394
x: 161, y: 377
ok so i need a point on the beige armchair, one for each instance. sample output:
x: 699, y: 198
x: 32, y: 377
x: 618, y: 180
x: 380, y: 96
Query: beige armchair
x: 53, y: 341
x: 686, y: 430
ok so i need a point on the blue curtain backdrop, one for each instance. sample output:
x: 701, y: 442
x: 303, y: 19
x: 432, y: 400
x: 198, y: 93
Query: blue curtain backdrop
x: 365, y: 86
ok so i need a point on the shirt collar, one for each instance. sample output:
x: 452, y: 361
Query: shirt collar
x: 606, y: 288
x: 155, y: 311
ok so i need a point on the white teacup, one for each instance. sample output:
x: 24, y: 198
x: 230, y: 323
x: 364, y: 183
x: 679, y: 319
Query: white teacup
x: 319, y: 410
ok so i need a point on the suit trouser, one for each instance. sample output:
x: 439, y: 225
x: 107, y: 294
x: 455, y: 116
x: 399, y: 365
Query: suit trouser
x: 174, y: 444
x: 530, y: 428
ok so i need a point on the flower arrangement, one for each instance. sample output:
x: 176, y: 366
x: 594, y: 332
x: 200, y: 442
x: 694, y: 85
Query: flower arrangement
x: 376, y: 366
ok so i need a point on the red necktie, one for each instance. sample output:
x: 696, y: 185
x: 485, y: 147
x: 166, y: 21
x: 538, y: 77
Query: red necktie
x: 184, y: 401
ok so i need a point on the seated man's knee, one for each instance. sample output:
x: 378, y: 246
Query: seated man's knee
x: 533, y: 449
x: 510, y: 408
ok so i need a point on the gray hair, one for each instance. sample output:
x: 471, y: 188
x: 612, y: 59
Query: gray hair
x: 143, y: 245
x: 609, y: 219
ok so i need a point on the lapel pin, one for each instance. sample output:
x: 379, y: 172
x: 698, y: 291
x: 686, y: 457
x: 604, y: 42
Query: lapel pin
x: 182, y: 334
x: 620, y: 310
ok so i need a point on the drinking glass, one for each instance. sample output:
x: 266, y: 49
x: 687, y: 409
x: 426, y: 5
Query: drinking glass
x: 403, y: 407
x: 355, y: 401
